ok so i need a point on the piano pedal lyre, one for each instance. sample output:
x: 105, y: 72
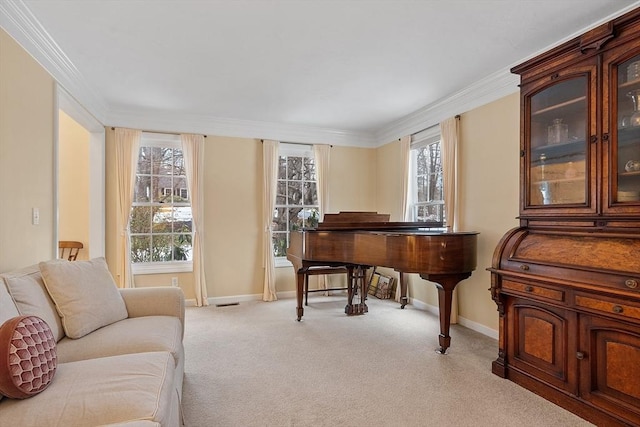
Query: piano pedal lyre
x: 357, y: 284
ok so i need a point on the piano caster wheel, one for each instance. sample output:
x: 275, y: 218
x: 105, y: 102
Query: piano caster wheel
x: 441, y: 350
x: 403, y: 302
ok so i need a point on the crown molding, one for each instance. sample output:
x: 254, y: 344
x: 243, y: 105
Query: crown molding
x: 159, y: 121
x: 491, y: 88
x: 18, y: 21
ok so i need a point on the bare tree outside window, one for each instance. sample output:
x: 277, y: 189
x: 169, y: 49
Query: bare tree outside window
x: 429, y: 205
x: 296, y: 199
x: 161, y: 221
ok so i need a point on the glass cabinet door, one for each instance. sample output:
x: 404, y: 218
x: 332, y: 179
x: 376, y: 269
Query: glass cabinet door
x: 558, y: 137
x: 623, y: 154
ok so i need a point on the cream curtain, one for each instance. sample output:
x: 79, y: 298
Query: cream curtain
x: 270, y: 171
x: 193, y: 151
x: 405, y: 164
x: 321, y: 158
x: 449, y: 131
x: 127, y: 145
x: 450, y: 134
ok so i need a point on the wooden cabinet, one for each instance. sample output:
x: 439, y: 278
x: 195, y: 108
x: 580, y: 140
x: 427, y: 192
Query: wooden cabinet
x: 567, y: 280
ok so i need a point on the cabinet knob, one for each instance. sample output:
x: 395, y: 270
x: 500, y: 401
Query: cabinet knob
x: 580, y: 355
x: 524, y: 267
x: 593, y: 139
x: 605, y: 137
x: 528, y: 288
x: 631, y: 283
x: 617, y: 309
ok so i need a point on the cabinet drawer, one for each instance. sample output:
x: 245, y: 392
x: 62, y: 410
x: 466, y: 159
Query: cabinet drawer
x: 609, y: 307
x: 535, y: 291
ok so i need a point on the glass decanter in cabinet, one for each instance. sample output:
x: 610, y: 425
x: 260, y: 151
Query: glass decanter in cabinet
x: 557, y: 138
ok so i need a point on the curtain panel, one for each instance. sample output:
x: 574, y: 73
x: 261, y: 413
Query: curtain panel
x: 127, y: 143
x: 270, y: 177
x: 449, y: 130
x: 405, y: 164
x: 193, y: 152
x: 450, y: 133
x: 321, y: 158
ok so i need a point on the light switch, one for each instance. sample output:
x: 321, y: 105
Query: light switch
x: 35, y: 216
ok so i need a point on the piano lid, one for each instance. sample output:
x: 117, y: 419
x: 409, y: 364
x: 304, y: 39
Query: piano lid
x: 355, y: 220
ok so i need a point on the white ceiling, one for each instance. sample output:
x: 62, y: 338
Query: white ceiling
x: 350, y: 67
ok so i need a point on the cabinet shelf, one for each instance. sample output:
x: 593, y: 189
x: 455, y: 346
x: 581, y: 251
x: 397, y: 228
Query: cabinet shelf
x: 559, y: 106
x: 559, y: 153
x: 629, y: 84
x: 634, y: 173
x: 559, y: 180
x: 629, y: 136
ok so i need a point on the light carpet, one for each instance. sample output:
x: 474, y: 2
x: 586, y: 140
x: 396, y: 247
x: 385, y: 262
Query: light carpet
x: 254, y: 365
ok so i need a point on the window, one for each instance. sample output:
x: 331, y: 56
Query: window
x: 296, y: 197
x: 161, y: 222
x: 427, y: 196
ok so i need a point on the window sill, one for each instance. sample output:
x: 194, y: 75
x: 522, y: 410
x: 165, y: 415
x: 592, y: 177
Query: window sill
x: 162, y: 267
x: 282, y: 262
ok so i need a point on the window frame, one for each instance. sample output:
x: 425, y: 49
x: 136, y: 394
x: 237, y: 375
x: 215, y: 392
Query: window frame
x: 293, y: 149
x: 419, y: 141
x: 149, y: 139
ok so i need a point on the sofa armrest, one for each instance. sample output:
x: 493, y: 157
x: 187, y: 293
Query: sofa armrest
x: 154, y: 301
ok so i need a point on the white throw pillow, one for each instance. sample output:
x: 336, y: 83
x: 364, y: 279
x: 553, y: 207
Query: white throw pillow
x: 32, y: 298
x: 84, y: 293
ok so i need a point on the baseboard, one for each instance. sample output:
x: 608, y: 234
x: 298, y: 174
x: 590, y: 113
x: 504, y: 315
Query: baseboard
x: 420, y: 305
x: 238, y: 298
x: 474, y: 326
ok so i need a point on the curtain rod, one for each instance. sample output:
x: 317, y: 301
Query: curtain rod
x: 155, y: 131
x: 457, y: 116
x: 297, y: 143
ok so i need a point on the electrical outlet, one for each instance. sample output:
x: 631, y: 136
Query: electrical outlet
x: 35, y: 216
x: 174, y: 282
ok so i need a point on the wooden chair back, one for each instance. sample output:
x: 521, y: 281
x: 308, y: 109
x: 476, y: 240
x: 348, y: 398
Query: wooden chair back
x: 69, y: 249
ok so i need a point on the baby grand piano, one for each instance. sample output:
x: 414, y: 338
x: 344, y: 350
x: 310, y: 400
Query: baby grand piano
x: 357, y: 240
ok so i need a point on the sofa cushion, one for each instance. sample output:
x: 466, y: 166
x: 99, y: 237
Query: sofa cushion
x: 109, y: 390
x: 84, y: 293
x: 136, y: 423
x: 27, y: 357
x: 31, y: 297
x: 132, y: 335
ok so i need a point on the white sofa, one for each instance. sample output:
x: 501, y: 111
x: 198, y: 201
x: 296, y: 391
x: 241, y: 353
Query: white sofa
x: 128, y: 372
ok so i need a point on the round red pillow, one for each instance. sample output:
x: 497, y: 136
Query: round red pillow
x: 28, y: 358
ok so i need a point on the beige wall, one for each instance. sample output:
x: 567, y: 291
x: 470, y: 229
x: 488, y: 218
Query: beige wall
x: 489, y: 194
x: 26, y: 157
x: 73, y: 182
x: 352, y: 177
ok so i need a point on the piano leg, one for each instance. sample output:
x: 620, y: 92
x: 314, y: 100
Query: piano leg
x: 445, y: 283
x: 299, y: 291
x: 403, y: 290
